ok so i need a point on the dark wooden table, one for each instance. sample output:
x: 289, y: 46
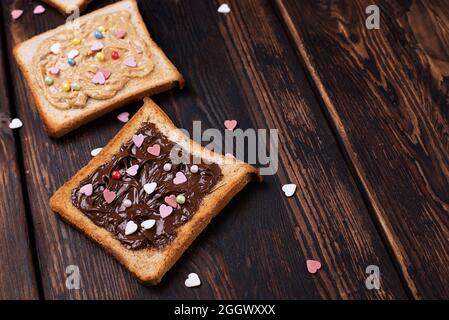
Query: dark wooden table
x: 363, y: 122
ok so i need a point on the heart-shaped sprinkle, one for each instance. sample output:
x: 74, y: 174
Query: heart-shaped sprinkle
x: 194, y: 168
x: 130, y: 228
x: 15, y: 123
x: 96, y: 46
x: 192, y: 281
x: 230, y: 124
x: 108, y: 195
x: 39, y: 9
x: 99, y: 78
x: 123, y: 117
x: 167, y: 167
x: 73, y: 53
x: 154, y: 150
x: 148, y: 224
x: 171, y: 201
x: 130, y: 62
x: 179, y: 178
x: 106, y: 72
x: 53, y: 70
x: 313, y: 266
x: 55, y: 48
x: 95, y: 152
x: 127, y: 203
x: 138, y: 139
x: 16, y: 14
x: 165, y: 210
x: 150, y: 187
x: 120, y: 34
x: 132, y: 171
x: 87, y: 189
x: 224, y: 8
x: 289, y: 189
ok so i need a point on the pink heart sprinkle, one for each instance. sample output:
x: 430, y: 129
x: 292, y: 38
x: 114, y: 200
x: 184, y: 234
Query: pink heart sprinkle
x: 87, y: 189
x: 313, y: 266
x: 132, y: 171
x: 171, y: 201
x: 53, y: 70
x: 154, y: 150
x: 230, y: 124
x: 130, y: 62
x: 120, y: 34
x: 39, y: 9
x: 106, y: 73
x: 165, y: 211
x: 99, y: 78
x: 123, y: 117
x: 108, y: 195
x: 97, y: 46
x: 180, y: 178
x: 16, y: 14
x: 138, y: 139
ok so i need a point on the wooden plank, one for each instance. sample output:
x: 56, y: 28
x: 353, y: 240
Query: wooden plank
x: 17, y: 273
x: 385, y: 91
x: 237, y: 66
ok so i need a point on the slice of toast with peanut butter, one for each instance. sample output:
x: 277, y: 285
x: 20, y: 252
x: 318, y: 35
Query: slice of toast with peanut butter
x: 92, y: 65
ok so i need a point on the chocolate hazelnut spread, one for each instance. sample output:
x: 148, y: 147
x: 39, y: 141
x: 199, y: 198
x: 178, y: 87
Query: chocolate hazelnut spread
x: 66, y: 65
x: 131, y: 202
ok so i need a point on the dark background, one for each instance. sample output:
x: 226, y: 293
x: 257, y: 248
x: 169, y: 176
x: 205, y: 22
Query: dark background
x: 363, y: 130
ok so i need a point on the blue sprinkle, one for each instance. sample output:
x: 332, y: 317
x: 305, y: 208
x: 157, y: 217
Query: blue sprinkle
x: 98, y: 34
x: 71, y: 61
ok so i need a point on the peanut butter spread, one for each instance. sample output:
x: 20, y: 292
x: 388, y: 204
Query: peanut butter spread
x: 93, y: 61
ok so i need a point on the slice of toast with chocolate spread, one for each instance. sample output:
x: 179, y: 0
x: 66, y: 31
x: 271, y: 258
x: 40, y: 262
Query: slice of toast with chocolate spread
x: 149, y: 193
x: 68, y: 6
x: 93, y: 65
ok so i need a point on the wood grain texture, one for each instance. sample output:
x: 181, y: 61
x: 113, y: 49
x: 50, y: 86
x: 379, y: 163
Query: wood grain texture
x: 237, y: 66
x: 17, y: 273
x: 385, y: 91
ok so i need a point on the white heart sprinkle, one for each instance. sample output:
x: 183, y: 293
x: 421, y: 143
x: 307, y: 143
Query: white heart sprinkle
x: 130, y: 228
x: 289, y: 189
x: 127, y: 203
x: 72, y: 53
x: 150, y: 187
x: 95, y: 152
x: 192, y: 281
x: 15, y: 124
x: 224, y: 8
x: 148, y: 224
x: 56, y: 48
x: 194, y: 168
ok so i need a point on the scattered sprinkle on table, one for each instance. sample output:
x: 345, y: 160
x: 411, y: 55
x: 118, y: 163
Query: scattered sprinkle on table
x: 193, y: 280
x: 15, y: 123
x: 289, y: 189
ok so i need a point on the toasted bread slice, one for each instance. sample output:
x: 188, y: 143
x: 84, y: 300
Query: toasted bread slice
x: 150, y: 264
x: 58, y: 122
x: 67, y: 6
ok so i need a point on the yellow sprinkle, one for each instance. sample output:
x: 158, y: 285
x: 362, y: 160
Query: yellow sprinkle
x: 101, y: 29
x: 99, y: 56
x: 76, y: 41
x: 66, y: 87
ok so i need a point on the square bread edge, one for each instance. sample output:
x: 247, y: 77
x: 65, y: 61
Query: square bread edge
x: 56, y: 129
x: 65, y: 9
x: 150, y: 265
